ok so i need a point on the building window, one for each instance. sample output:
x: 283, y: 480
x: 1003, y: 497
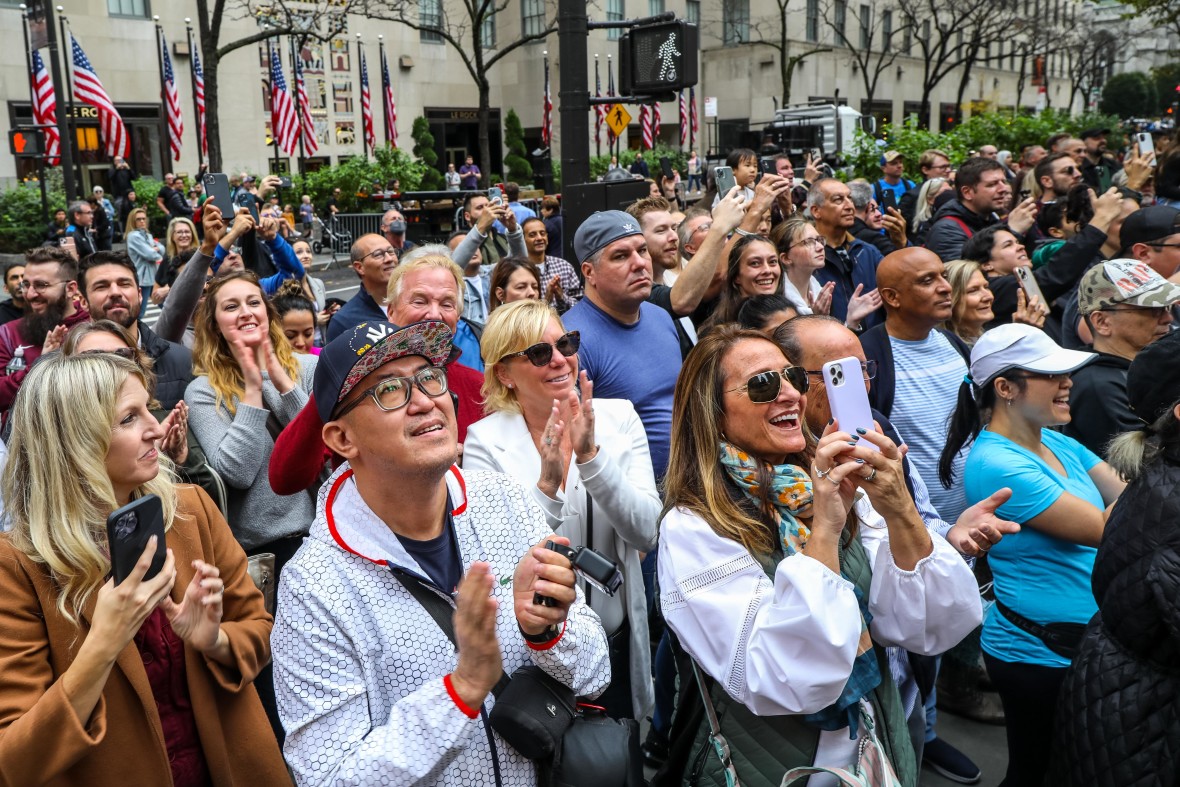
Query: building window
x: 926, y: 32
x: 735, y: 21
x: 812, y: 20
x: 430, y: 15
x: 866, y: 27
x: 692, y: 12
x: 532, y: 17
x: 886, y: 30
x: 616, y: 11
x: 140, y: 8
x: 487, y: 36
x: 907, y: 39
x: 655, y: 7
x: 840, y: 14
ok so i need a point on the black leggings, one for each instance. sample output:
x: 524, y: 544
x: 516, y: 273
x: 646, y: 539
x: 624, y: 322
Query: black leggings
x: 1029, y: 695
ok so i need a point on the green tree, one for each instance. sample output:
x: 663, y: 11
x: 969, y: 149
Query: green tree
x: 1164, y: 13
x: 358, y: 177
x: 1167, y: 79
x: 1129, y: 95
x: 516, y: 163
x: 22, y: 226
x: 432, y: 179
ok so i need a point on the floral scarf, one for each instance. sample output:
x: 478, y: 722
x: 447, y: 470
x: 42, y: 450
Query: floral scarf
x: 791, y: 499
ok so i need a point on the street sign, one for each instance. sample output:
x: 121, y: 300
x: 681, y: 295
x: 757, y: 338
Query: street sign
x: 26, y: 142
x: 659, y: 58
x: 710, y: 106
x: 618, y: 118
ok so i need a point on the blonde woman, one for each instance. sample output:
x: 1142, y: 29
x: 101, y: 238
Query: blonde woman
x: 250, y: 384
x: 145, y: 251
x: 146, y: 682
x: 971, y: 300
x: 180, y: 237
x: 587, y: 464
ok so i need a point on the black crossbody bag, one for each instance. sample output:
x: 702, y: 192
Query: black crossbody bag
x: 1064, y: 639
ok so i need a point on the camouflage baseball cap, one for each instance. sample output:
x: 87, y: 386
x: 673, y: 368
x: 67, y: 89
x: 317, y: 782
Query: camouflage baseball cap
x: 1124, y: 281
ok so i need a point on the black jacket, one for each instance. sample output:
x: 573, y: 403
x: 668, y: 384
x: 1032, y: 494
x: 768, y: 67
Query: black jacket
x: 1117, y: 721
x: 952, y: 226
x: 877, y: 347
x: 864, y: 232
x: 173, y: 365
x: 9, y: 311
x: 1098, y: 403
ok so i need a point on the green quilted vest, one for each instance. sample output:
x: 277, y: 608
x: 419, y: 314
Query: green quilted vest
x: 765, y: 747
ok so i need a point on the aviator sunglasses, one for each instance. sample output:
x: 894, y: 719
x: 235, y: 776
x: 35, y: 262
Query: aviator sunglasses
x: 541, y: 353
x: 764, y: 387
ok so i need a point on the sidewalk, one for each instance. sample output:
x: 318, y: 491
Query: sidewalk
x: 983, y: 743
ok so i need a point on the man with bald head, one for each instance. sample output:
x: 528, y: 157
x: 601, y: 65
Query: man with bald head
x: 919, y: 365
x: 393, y: 227
x: 373, y: 259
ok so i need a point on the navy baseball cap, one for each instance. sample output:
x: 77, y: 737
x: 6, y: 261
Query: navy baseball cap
x: 355, y: 354
x: 602, y: 229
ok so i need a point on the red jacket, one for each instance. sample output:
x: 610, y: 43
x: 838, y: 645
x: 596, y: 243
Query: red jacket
x: 10, y: 339
x: 299, y: 453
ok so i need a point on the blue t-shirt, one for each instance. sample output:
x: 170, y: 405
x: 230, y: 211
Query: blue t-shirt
x: 926, y: 390
x: 898, y: 189
x: 359, y: 308
x: 638, y: 362
x: 1042, y: 578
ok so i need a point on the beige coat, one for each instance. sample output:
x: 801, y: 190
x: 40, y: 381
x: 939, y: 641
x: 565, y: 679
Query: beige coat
x: 43, y: 742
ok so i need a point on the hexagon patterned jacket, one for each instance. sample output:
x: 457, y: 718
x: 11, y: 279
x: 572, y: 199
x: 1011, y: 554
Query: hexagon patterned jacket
x: 360, y: 665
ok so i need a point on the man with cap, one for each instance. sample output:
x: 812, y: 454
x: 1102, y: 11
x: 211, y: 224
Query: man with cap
x: 1126, y: 306
x: 1152, y: 235
x: 1098, y: 168
x: 629, y: 346
x: 393, y: 227
x: 892, y: 167
x: 371, y: 689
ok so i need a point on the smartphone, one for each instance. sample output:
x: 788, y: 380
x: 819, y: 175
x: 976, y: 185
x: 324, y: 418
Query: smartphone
x: 284, y: 182
x: 888, y: 200
x: 217, y: 187
x: 246, y: 200
x: 1028, y: 283
x: 848, y: 397
x: 128, y: 531
x: 496, y: 194
x: 666, y: 167
x: 1145, y: 142
x: 723, y: 176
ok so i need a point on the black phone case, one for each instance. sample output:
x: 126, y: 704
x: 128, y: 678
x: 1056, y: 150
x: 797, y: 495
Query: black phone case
x: 128, y: 531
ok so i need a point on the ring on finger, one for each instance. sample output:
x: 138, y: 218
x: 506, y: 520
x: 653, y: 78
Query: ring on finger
x: 821, y: 473
x: 868, y: 478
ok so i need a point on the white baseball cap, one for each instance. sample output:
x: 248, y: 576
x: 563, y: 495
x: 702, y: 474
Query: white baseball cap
x: 1021, y: 347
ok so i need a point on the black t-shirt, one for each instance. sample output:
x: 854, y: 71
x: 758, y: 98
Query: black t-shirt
x: 438, y: 557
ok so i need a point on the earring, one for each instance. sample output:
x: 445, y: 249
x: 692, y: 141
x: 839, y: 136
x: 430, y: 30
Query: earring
x: 510, y: 388
x: 1009, y: 401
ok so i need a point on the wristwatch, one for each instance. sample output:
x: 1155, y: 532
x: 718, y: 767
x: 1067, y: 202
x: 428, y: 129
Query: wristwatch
x: 548, y: 635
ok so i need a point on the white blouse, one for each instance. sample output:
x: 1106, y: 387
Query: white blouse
x: 787, y: 646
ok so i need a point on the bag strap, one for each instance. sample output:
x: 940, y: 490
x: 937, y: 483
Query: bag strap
x: 589, y: 533
x: 1059, y: 642
x: 720, y: 745
x: 961, y: 223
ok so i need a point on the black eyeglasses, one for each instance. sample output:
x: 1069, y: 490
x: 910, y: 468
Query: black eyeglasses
x: 122, y: 352
x: 868, y: 368
x: 393, y: 393
x: 765, y: 387
x: 541, y: 353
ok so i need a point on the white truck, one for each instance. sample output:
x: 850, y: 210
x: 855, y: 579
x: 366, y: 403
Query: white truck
x: 817, y: 125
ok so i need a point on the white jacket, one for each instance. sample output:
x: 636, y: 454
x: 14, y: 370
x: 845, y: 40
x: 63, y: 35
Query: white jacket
x: 620, y: 481
x: 359, y: 663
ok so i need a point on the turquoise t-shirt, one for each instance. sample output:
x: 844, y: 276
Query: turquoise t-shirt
x: 1043, y: 578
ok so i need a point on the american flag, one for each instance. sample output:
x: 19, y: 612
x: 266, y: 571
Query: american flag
x: 306, y: 126
x: 655, y: 121
x: 171, y: 102
x: 88, y: 89
x: 683, y: 120
x: 546, y: 110
x: 390, y: 104
x: 284, y: 121
x: 692, y: 115
x: 45, y: 109
x: 599, y: 109
x: 645, y: 125
x: 199, y: 91
x: 366, y: 103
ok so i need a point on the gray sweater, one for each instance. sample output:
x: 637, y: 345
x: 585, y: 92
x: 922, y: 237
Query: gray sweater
x: 239, y: 448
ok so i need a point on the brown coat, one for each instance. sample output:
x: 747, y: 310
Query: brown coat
x: 43, y: 742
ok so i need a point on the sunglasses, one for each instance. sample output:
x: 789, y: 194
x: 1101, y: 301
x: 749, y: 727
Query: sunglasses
x: 764, y: 387
x: 541, y: 353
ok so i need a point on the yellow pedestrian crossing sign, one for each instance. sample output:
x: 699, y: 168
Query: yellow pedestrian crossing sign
x: 618, y: 118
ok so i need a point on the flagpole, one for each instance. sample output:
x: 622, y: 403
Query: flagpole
x: 384, y: 95
x: 71, y: 130
x: 360, y: 86
x: 165, y: 151
x: 597, y: 115
x: 24, y: 28
x: 296, y: 81
x: 612, y: 146
x: 192, y: 80
x: 270, y: 81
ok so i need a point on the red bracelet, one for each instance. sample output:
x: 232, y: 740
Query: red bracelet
x: 468, y: 711
x: 549, y: 644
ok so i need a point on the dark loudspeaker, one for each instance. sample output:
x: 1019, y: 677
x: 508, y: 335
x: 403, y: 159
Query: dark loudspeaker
x: 580, y: 201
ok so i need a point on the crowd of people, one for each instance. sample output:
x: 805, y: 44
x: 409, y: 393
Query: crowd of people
x: 409, y: 466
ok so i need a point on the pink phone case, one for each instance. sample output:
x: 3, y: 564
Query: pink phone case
x: 848, y: 397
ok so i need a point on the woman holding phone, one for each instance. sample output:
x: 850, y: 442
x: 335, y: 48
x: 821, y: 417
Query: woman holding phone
x: 144, y: 682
